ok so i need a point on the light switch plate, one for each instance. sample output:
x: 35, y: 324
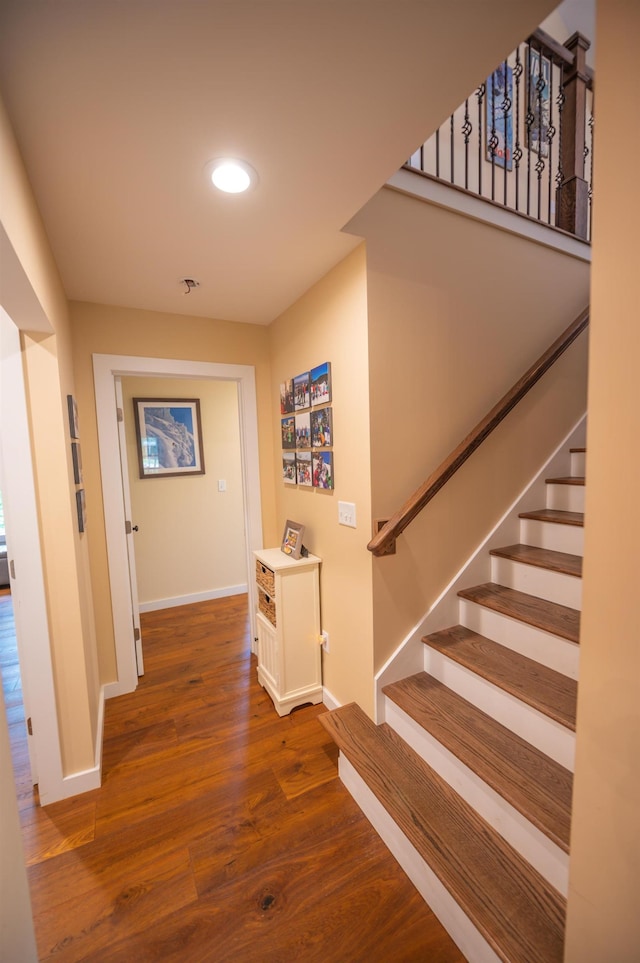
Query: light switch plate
x: 347, y: 514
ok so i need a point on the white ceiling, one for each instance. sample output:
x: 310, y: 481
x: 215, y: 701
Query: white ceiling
x: 118, y: 105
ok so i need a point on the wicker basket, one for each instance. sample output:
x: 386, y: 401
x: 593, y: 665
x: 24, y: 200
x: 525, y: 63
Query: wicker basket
x: 265, y: 579
x: 267, y: 606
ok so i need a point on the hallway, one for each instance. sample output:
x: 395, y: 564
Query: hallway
x: 221, y: 831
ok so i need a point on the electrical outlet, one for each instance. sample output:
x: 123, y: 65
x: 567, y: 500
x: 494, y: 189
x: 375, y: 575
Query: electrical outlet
x: 325, y: 641
x: 347, y: 514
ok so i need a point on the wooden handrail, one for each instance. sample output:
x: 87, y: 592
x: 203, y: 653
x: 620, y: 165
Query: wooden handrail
x: 384, y: 541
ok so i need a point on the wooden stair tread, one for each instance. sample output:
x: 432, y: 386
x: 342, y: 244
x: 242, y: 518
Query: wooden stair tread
x: 549, y: 616
x: 542, y: 558
x: 556, y: 516
x: 566, y: 480
x: 544, y: 689
x: 576, y: 450
x: 519, y: 914
x: 535, y: 785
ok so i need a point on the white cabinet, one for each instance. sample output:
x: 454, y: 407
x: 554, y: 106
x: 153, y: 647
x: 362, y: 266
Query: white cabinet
x: 288, y: 624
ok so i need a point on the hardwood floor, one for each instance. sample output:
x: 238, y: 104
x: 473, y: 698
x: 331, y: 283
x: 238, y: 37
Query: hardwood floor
x: 221, y: 831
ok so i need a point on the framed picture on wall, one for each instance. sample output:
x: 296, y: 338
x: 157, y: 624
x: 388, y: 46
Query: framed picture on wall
x: 76, y: 457
x: 72, y: 408
x: 498, y: 122
x: 321, y: 384
x: 81, y: 507
x: 169, y: 436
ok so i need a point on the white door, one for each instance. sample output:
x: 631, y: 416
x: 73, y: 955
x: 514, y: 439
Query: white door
x: 130, y: 530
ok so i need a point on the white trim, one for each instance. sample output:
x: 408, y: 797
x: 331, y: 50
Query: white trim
x: 409, y: 657
x: 477, y: 208
x: 105, y: 369
x: 157, y: 604
x: 87, y: 779
x: 330, y: 700
x: 28, y: 589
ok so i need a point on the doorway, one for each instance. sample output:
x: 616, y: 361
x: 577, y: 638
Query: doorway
x: 107, y: 368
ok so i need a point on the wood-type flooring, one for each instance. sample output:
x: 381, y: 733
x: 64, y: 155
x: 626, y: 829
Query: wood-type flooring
x: 221, y: 831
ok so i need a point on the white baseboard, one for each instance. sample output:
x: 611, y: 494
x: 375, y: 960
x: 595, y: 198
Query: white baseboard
x: 329, y: 700
x: 170, y: 603
x: 78, y: 782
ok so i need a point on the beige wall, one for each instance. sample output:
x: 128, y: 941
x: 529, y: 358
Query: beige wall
x: 330, y: 324
x: 112, y: 330
x: 191, y: 537
x: 449, y: 333
x: 603, y: 918
x: 49, y: 378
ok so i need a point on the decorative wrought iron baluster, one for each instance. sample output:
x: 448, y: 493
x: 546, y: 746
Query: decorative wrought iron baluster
x: 560, y: 101
x: 528, y: 123
x: 551, y: 133
x: 540, y: 162
x: 451, y: 145
x: 467, y: 128
x: 517, y: 153
x: 422, y: 158
x: 438, y: 152
x: 480, y: 92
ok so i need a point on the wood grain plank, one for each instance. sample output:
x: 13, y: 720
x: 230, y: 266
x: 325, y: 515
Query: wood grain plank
x: 577, y: 480
x: 535, y: 785
x: 549, y: 616
x: 515, y: 909
x: 550, y: 692
x: 542, y: 558
x: 555, y: 516
x: 165, y: 861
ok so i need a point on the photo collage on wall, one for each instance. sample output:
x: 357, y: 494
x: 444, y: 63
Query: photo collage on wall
x: 306, y: 423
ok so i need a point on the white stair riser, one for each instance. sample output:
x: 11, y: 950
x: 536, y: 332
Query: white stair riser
x: 541, y: 582
x: 545, y: 734
x: 558, y: 538
x: 536, y: 644
x: 457, y: 924
x: 565, y: 498
x: 579, y: 463
x: 551, y: 861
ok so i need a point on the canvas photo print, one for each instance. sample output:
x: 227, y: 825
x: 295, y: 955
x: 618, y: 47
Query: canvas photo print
x: 301, y: 391
x: 303, y: 431
x: 288, y: 430
x: 303, y: 468
x: 321, y: 428
x: 286, y: 397
x: 323, y: 469
x: 289, y: 467
x: 321, y: 384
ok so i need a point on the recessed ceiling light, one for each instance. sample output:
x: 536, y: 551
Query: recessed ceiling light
x: 232, y: 176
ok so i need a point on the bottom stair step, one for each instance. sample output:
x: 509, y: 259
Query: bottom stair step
x: 514, y: 909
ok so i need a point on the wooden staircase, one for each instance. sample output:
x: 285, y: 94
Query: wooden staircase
x: 469, y: 778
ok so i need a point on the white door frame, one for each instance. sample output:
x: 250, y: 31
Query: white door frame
x: 105, y: 370
x: 27, y: 584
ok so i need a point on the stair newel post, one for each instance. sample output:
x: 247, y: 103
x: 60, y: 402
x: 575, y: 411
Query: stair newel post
x: 572, y: 199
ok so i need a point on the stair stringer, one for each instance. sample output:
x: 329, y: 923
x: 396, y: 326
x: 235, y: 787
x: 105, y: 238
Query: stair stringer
x: 409, y: 657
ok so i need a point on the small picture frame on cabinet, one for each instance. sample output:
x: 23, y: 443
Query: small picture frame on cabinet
x: 292, y: 539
